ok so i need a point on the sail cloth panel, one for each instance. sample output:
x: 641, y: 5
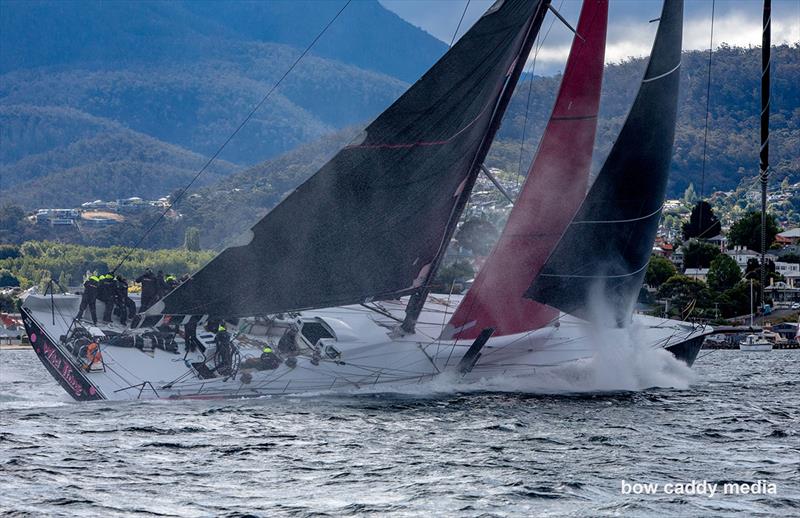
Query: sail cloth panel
x: 555, y: 186
x: 368, y: 224
x: 597, y: 269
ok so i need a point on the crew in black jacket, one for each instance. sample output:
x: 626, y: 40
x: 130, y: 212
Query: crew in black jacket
x: 89, y: 298
x: 149, y: 289
x: 105, y: 293
x: 122, y: 301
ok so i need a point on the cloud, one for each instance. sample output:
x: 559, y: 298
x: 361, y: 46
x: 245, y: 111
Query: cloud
x: 736, y: 22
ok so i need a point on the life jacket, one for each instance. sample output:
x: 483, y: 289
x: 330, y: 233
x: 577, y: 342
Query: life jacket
x: 93, y: 355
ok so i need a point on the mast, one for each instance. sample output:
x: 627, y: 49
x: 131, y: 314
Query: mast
x: 417, y: 299
x: 553, y: 189
x: 764, y: 155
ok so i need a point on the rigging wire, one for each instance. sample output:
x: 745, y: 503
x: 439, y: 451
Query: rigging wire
x: 528, y: 101
x: 708, y: 99
x: 705, y: 135
x: 459, y: 23
x: 230, y: 137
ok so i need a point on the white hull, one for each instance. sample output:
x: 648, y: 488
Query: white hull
x: 370, y: 355
x: 755, y: 343
x: 755, y: 347
x: 759, y: 347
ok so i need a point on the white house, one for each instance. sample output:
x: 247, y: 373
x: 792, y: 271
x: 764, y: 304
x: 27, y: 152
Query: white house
x: 742, y: 255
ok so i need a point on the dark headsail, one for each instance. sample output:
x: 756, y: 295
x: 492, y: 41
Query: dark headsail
x: 604, y: 252
x: 371, y: 223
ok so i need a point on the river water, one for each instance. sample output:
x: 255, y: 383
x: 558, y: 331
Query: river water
x: 441, y: 452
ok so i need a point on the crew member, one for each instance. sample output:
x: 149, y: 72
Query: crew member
x: 121, y: 299
x: 287, y: 345
x: 89, y: 298
x: 161, y: 284
x: 105, y: 292
x: 170, y: 283
x: 149, y: 289
x: 269, y: 360
x: 190, y: 336
x: 224, y: 355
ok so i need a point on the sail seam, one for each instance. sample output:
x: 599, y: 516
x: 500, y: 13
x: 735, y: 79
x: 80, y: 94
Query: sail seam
x: 423, y: 143
x: 662, y: 75
x: 590, y: 222
x: 574, y: 118
x: 596, y: 276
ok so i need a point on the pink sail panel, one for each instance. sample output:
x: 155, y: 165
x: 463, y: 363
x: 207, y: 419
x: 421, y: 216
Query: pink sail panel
x: 552, y: 193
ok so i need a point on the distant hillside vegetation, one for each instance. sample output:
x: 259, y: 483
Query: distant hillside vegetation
x: 99, y: 34
x: 116, y: 99
x: 735, y: 107
x: 81, y: 158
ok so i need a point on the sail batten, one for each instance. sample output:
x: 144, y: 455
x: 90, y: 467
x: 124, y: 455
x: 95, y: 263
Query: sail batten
x: 597, y: 269
x: 370, y: 223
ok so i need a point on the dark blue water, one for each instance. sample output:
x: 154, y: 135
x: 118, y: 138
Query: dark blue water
x: 487, y: 454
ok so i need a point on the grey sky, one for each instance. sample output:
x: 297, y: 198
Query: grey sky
x: 736, y: 22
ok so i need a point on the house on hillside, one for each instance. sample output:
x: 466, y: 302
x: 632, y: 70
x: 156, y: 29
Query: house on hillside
x: 789, y: 237
x: 56, y: 217
x: 719, y: 241
x: 782, y: 293
x: 741, y: 255
x: 132, y: 204
x: 663, y: 248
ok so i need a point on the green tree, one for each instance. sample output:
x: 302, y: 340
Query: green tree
x: 9, y: 252
x: 7, y: 279
x: 477, y: 235
x: 697, y: 254
x: 723, y: 273
x: 753, y: 270
x: 746, y: 231
x: 736, y: 300
x: 457, y: 271
x: 689, y: 195
x: 683, y: 291
x: 11, y: 217
x: 7, y: 304
x: 191, y: 239
x: 658, y: 271
x: 703, y: 223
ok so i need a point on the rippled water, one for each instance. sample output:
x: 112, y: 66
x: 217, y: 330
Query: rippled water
x: 441, y: 454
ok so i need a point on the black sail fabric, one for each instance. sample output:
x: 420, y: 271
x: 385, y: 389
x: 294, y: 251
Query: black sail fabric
x: 597, y: 269
x: 369, y: 223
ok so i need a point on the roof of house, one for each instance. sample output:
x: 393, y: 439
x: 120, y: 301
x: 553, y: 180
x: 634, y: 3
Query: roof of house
x: 791, y: 233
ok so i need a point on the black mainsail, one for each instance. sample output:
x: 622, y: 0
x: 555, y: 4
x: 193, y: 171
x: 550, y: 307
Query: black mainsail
x: 372, y: 222
x: 603, y: 254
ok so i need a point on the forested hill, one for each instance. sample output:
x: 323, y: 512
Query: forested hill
x: 101, y: 34
x: 734, y: 108
x: 118, y: 99
x: 82, y: 83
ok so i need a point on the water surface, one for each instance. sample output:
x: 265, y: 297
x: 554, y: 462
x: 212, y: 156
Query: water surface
x: 420, y: 454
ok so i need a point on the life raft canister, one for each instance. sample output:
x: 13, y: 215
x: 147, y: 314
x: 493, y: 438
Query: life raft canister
x: 93, y: 355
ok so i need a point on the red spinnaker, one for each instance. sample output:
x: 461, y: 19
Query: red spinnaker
x: 552, y: 193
